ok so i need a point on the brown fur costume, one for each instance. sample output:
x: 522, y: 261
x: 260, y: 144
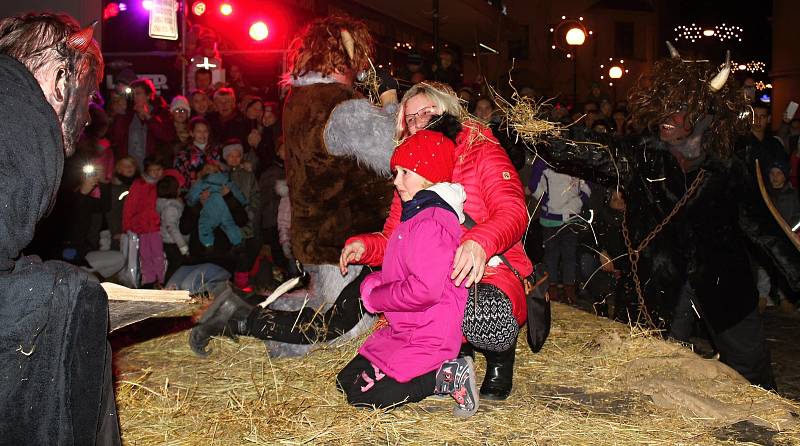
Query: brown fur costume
x: 332, y: 197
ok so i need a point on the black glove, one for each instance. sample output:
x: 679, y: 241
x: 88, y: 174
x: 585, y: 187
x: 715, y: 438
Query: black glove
x: 385, y: 81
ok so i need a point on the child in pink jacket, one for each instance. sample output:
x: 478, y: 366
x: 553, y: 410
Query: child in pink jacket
x: 412, y: 357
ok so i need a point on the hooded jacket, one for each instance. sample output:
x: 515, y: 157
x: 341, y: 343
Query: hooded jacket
x: 422, y: 305
x: 53, y: 323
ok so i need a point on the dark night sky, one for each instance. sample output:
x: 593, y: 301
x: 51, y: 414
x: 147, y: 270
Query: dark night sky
x: 753, y: 16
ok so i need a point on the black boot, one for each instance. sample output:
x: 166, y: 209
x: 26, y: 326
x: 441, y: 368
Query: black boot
x: 499, y: 374
x: 227, y: 315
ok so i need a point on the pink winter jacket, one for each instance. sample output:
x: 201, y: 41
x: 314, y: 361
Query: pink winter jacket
x: 422, y: 305
x: 495, y: 200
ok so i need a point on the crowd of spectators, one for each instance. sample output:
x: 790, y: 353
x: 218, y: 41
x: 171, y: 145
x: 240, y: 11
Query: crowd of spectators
x: 199, y: 181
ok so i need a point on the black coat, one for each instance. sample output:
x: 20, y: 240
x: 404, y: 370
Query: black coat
x: 53, y: 322
x: 706, y: 243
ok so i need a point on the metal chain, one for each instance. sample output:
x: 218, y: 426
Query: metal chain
x: 634, y: 254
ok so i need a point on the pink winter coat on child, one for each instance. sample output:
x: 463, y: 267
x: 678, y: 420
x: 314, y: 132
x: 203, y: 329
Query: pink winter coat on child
x: 415, y: 293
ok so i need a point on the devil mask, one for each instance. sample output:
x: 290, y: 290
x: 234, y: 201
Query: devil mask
x: 64, y: 59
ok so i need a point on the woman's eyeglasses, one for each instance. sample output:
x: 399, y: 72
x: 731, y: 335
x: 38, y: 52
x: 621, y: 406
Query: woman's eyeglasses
x: 420, y: 118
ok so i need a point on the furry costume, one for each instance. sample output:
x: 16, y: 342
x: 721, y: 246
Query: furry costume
x: 333, y: 194
x: 704, y: 246
x: 333, y: 197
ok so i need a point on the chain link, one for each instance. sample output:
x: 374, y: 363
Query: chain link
x: 634, y: 254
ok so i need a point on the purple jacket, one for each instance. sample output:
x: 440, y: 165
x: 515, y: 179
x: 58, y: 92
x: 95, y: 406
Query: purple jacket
x: 422, y: 305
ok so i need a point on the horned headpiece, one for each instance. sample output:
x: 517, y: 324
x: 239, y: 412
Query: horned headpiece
x: 675, y: 85
x: 719, y: 80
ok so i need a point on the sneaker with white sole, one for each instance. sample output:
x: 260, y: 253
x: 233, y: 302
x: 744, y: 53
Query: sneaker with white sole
x: 457, y: 379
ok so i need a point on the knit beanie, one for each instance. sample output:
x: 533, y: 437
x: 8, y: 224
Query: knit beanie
x: 179, y: 102
x: 230, y: 148
x: 783, y: 166
x: 428, y: 153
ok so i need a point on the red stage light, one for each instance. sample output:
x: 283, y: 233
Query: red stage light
x: 259, y: 31
x: 111, y: 10
x: 226, y: 9
x: 199, y: 8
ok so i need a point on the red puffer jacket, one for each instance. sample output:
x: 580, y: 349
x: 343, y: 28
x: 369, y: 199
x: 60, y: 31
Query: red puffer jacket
x: 139, y: 212
x: 495, y: 200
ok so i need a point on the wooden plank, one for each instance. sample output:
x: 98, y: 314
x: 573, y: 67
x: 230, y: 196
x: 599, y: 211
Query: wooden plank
x: 119, y: 292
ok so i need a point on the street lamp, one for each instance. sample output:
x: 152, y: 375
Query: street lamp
x: 575, y: 37
x: 567, y: 36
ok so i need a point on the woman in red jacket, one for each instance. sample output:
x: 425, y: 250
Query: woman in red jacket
x: 496, y: 201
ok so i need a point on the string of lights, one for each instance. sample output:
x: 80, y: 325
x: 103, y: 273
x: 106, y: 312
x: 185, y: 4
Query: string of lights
x: 754, y: 66
x: 722, y: 32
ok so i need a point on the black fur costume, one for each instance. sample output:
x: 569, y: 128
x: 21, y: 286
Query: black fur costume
x: 704, y: 247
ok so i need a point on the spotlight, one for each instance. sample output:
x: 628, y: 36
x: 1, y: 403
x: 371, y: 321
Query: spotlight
x: 259, y: 31
x: 226, y: 9
x: 199, y: 8
x: 147, y: 5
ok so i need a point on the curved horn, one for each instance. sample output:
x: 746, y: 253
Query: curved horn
x: 672, y: 51
x: 719, y: 80
x: 81, y: 40
x: 349, y: 43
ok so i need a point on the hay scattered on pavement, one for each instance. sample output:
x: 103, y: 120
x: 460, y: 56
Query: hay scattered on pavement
x: 594, y: 383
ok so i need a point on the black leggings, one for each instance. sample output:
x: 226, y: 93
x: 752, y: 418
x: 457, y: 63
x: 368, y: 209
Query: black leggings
x: 365, y: 385
x: 307, y: 326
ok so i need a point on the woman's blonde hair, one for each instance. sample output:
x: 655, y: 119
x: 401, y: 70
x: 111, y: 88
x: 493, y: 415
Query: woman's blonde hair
x: 443, y: 97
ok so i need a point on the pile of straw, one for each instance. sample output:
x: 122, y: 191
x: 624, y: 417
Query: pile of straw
x: 527, y: 117
x: 595, y: 383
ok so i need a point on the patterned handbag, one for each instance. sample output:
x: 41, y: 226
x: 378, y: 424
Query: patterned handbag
x: 538, y: 302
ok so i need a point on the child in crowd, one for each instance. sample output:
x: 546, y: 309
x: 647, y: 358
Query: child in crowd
x: 245, y: 181
x: 124, y: 175
x: 562, y: 198
x: 140, y: 216
x: 412, y: 357
x: 191, y: 159
x: 785, y: 198
x: 170, y: 209
x: 215, y: 213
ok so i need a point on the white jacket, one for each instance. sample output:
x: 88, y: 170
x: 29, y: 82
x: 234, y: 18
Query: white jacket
x: 170, y: 210
x: 562, y: 195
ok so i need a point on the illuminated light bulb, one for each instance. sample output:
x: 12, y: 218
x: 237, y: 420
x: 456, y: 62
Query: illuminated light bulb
x: 575, y: 37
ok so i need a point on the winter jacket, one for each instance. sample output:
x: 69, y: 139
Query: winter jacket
x: 160, y: 132
x: 562, y: 196
x: 787, y: 204
x: 495, y: 200
x: 190, y: 160
x: 139, y: 212
x: 247, y: 184
x: 170, y: 211
x: 416, y: 295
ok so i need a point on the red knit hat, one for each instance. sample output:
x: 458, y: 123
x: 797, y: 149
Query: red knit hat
x: 428, y: 153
